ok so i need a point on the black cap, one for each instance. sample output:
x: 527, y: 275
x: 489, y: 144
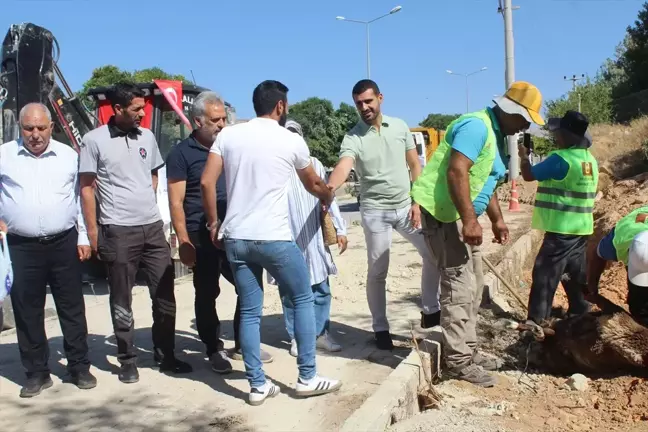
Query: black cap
x: 574, y: 122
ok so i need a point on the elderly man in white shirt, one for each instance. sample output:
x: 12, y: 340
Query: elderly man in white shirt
x: 305, y: 216
x: 41, y: 214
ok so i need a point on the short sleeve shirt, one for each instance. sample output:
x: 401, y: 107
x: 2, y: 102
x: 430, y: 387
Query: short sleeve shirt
x: 468, y: 137
x: 259, y: 157
x: 380, y: 162
x: 122, y: 163
x: 186, y: 162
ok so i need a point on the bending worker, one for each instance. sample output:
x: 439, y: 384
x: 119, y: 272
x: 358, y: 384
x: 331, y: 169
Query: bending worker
x: 457, y: 186
x: 567, y: 182
x: 626, y: 242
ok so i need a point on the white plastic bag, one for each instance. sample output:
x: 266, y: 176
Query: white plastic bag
x: 6, y: 271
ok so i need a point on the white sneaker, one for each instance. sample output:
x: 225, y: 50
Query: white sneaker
x: 327, y: 343
x: 293, y: 348
x: 260, y: 394
x: 316, y: 386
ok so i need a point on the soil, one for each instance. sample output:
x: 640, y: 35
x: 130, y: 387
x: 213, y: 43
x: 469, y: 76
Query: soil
x: 528, y: 399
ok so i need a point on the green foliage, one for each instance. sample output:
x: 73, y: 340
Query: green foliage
x: 438, y: 121
x: 596, y: 101
x: 108, y: 75
x: 633, y: 56
x: 542, y: 146
x: 324, y: 127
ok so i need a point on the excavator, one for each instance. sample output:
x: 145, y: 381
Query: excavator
x: 29, y: 72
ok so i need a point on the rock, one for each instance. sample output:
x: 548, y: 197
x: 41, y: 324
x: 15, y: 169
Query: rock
x: 578, y: 382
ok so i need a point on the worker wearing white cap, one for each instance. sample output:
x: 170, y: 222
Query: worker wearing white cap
x: 626, y: 242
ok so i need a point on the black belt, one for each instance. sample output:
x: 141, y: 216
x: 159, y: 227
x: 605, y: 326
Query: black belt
x: 15, y: 238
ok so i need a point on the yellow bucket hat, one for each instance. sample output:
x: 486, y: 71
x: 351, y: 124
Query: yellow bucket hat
x: 522, y: 98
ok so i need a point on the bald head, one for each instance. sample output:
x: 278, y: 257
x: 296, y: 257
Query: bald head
x: 35, y: 127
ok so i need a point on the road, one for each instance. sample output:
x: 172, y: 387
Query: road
x: 350, y: 210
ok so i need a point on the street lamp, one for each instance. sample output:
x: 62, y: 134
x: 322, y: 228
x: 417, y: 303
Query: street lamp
x: 366, y: 23
x: 466, y: 77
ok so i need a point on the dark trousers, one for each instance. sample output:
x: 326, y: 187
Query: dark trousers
x: 211, y: 263
x: 37, y: 263
x: 561, y: 258
x: 638, y: 303
x: 123, y: 249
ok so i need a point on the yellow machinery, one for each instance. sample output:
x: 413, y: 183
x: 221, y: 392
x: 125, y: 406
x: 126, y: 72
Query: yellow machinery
x: 431, y: 137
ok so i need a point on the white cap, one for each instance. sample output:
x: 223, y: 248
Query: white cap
x: 638, y: 260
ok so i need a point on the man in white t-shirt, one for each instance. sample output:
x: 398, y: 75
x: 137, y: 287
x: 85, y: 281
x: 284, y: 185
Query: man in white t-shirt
x: 259, y: 158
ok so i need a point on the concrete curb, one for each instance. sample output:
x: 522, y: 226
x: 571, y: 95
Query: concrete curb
x: 397, y: 397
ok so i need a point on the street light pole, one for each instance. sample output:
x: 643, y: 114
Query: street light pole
x: 366, y: 23
x: 368, y: 54
x: 466, y: 77
x: 574, y: 79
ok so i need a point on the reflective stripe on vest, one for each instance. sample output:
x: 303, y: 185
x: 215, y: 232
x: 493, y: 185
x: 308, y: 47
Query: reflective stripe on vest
x: 566, y: 206
x: 626, y: 230
x: 430, y: 190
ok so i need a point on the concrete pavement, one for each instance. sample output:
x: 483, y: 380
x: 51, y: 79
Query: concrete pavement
x: 204, y: 400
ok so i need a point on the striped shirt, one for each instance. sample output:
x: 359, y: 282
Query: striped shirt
x: 305, y: 213
x: 39, y: 195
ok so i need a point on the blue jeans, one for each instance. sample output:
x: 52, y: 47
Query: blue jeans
x: 285, y: 262
x: 322, y: 298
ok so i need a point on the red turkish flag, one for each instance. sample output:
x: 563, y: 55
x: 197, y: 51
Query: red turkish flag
x: 172, y: 91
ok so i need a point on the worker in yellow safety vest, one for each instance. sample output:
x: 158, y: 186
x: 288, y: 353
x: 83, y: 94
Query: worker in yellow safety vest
x: 563, y: 209
x: 627, y: 242
x: 458, y: 185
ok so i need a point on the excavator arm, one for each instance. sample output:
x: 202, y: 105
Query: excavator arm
x: 29, y: 73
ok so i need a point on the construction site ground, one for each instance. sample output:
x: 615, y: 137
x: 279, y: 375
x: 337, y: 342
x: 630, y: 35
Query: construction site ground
x: 204, y: 400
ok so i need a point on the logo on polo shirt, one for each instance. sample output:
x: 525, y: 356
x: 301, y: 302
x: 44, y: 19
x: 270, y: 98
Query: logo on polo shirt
x: 142, y: 152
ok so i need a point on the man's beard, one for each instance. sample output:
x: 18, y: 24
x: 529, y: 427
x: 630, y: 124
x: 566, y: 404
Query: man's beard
x: 283, y: 119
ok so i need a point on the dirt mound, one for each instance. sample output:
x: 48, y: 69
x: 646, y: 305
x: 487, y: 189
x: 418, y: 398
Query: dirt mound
x: 619, y: 149
x: 617, y: 200
x: 526, y: 191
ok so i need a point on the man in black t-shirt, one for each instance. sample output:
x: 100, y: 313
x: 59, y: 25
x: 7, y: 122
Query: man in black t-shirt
x: 185, y: 165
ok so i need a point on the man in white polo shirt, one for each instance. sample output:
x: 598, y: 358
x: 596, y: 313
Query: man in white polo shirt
x: 259, y: 158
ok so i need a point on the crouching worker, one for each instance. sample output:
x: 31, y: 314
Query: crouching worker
x: 627, y: 242
x: 567, y: 182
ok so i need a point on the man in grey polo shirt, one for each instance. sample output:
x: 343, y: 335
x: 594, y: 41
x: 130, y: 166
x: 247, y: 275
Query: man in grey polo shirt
x: 382, y: 149
x: 120, y: 160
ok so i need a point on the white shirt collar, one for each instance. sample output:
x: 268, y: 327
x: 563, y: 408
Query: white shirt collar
x: 51, y: 149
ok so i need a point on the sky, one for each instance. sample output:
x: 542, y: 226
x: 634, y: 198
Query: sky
x: 231, y: 46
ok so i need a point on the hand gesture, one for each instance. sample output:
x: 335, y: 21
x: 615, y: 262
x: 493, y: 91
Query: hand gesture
x: 415, y: 216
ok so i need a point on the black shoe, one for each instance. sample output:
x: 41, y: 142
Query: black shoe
x: 430, y: 320
x: 128, y: 373
x: 384, y: 340
x: 35, y: 385
x: 172, y: 364
x: 84, y: 380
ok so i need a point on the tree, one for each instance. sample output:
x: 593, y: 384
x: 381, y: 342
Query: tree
x: 633, y: 59
x: 324, y: 127
x: 108, y: 75
x: 439, y: 121
x: 596, y: 101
